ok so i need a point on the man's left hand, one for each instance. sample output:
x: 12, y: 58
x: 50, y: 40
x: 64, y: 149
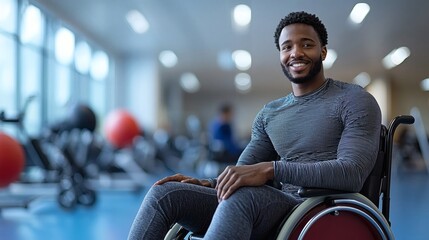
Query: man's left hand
x: 234, y: 177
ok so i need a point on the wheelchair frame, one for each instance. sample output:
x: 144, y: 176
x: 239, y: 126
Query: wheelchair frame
x: 325, y: 211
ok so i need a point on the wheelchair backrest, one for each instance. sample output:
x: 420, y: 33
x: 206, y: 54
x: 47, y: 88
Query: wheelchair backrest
x: 373, y: 186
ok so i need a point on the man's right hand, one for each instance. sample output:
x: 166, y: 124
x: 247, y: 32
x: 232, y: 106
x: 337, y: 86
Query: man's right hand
x: 183, y: 179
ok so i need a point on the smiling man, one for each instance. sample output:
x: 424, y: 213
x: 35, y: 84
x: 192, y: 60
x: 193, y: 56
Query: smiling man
x: 324, y: 134
x: 302, y: 47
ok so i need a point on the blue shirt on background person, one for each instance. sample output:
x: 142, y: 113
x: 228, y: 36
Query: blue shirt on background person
x: 222, y: 133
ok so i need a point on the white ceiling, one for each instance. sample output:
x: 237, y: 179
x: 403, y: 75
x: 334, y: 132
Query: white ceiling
x: 197, y: 30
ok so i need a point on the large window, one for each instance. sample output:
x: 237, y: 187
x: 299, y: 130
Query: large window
x: 58, y: 91
x: 8, y: 80
x: 8, y: 15
x: 60, y: 72
x: 31, y: 85
x: 83, y: 57
x: 32, y: 26
x: 7, y: 74
x: 99, y: 71
x: 32, y: 36
x: 46, y: 59
x: 64, y: 46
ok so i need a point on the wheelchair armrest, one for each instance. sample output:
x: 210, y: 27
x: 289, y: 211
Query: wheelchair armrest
x: 317, y: 192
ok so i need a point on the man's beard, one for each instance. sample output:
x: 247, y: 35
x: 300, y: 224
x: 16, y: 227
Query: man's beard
x: 313, y: 72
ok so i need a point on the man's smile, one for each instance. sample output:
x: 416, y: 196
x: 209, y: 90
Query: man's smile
x: 298, y: 66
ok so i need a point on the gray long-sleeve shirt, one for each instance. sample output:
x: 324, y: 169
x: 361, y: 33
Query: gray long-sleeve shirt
x: 328, y: 138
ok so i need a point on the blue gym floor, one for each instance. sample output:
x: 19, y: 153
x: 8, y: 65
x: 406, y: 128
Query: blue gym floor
x: 111, y: 217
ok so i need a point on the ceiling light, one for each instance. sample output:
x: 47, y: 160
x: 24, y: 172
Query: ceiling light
x: 137, y: 21
x: 243, y: 82
x: 396, y: 57
x: 242, y: 60
x: 362, y: 79
x: 424, y: 84
x: 359, y: 12
x: 189, y: 82
x: 330, y: 59
x: 168, y: 58
x: 242, y: 15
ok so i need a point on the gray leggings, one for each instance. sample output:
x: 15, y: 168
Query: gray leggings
x: 249, y: 213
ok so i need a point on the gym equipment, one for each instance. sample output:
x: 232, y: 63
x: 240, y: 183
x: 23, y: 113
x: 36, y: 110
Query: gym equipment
x: 121, y: 128
x: 144, y: 154
x: 33, y: 152
x: 12, y: 160
x: 81, y: 116
x: 333, y: 214
x: 183, y: 152
x: 38, y: 177
x: 74, y: 170
x: 62, y: 155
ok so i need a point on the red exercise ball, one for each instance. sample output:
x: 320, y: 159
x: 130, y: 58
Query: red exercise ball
x: 12, y: 160
x: 121, y: 128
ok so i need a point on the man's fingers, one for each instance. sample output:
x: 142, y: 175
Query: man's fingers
x: 221, y: 177
x: 179, y: 178
x: 192, y: 181
x: 229, y: 187
x: 228, y: 184
x: 221, y: 180
x: 174, y: 178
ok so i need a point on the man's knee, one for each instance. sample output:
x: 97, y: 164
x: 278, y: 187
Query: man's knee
x: 158, y: 192
x: 242, y: 199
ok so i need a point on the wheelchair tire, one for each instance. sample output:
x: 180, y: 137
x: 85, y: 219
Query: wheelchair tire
x: 345, y: 216
x: 177, y: 232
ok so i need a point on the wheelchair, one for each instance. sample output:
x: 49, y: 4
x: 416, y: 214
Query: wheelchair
x: 333, y: 214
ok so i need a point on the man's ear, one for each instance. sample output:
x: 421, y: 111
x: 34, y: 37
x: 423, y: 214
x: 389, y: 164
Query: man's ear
x: 324, y: 52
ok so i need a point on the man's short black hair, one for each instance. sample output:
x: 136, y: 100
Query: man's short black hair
x: 305, y: 18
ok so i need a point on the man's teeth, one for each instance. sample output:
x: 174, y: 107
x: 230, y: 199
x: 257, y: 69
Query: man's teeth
x: 298, y: 64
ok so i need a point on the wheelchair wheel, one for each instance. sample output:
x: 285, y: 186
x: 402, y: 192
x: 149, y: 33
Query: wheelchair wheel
x: 177, y: 232
x: 350, y: 216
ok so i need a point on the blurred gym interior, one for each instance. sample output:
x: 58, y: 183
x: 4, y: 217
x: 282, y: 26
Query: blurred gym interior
x: 99, y: 99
